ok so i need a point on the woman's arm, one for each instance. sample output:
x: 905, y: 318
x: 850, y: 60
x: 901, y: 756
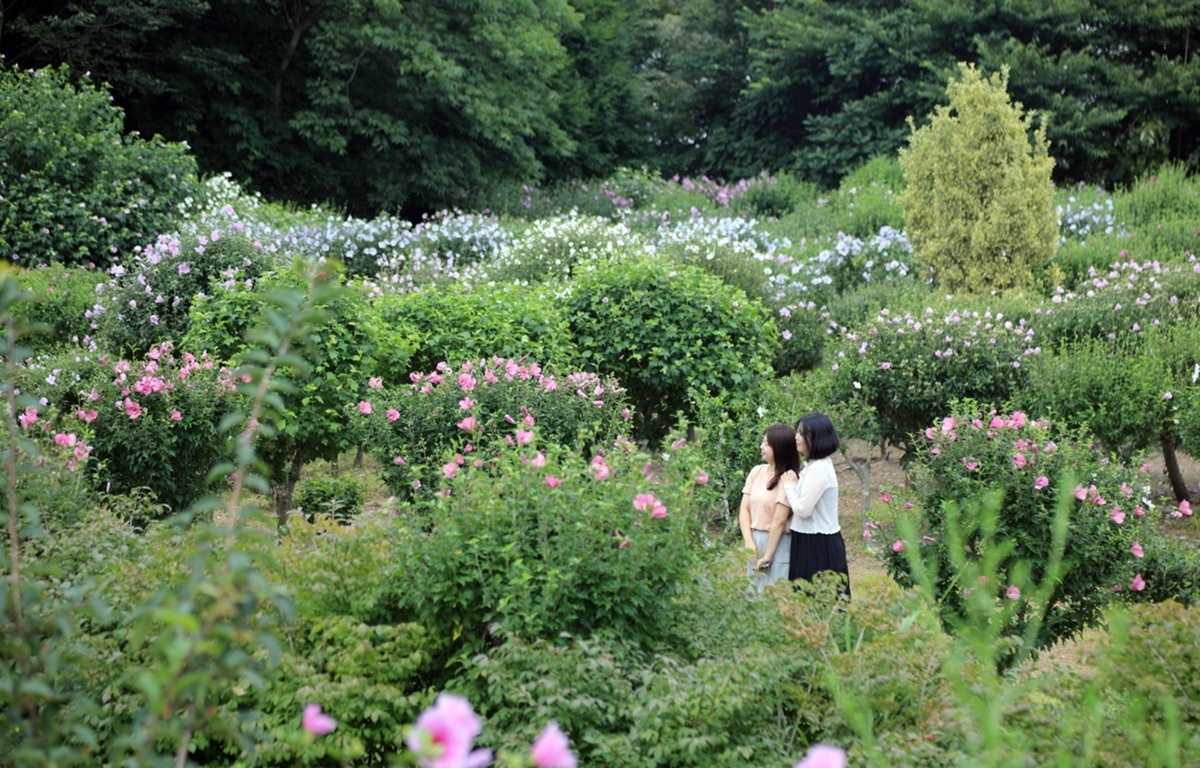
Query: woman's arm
x: 744, y: 523
x: 804, y: 494
x: 779, y: 523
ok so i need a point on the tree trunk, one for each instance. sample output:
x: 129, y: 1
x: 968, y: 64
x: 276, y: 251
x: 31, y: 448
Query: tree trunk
x: 282, y: 489
x: 1174, y: 475
x: 358, y: 457
x: 864, y: 476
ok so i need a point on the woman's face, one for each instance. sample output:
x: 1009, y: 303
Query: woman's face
x: 801, y: 444
x: 768, y: 455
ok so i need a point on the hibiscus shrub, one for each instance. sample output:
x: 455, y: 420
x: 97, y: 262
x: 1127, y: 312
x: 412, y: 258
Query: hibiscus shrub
x: 148, y: 299
x: 537, y: 540
x: 153, y: 422
x: 58, y: 298
x: 663, y: 330
x: 479, y: 407
x: 970, y: 455
x: 907, y: 367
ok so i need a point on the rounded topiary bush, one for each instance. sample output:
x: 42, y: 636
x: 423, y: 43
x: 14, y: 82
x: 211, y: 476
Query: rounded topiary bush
x: 456, y: 322
x: 663, y: 330
x: 74, y: 189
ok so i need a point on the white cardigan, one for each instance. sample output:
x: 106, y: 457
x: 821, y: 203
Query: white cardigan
x: 814, y: 498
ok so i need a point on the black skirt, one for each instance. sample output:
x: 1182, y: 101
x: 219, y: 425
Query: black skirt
x: 814, y: 553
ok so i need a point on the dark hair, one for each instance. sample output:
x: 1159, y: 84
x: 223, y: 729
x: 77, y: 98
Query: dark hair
x: 819, y: 435
x: 782, y: 440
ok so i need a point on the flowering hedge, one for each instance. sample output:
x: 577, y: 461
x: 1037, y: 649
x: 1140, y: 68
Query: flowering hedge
x: 908, y: 367
x: 475, y: 409
x: 970, y: 454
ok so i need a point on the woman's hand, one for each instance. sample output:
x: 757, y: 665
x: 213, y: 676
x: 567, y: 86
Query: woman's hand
x: 762, y: 563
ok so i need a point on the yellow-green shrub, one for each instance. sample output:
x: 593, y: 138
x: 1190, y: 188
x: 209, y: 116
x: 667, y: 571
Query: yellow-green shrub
x: 979, y: 205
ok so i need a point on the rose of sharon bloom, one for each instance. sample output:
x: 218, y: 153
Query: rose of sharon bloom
x: 552, y: 481
x: 375, y: 382
x: 364, y: 408
x: 444, y: 734
x: 1185, y: 508
x: 702, y: 478
x: 466, y: 404
x: 1118, y: 516
x: 1080, y: 492
x: 1138, y: 583
x: 524, y: 436
x: 643, y: 500
x: 823, y: 756
x: 1012, y: 593
x: 539, y: 460
x: 29, y: 418
x: 316, y: 722
x: 393, y: 414
x: 1041, y: 482
x: 886, y: 497
x: 600, y: 468
x: 450, y: 469
x: 899, y: 545
x: 550, y: 749
x: 176, y: 415
x: 658, y: 511
x: 1137, y: 550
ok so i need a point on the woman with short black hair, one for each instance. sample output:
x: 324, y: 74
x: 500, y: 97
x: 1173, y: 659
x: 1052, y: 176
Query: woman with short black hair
x: 816, y: 536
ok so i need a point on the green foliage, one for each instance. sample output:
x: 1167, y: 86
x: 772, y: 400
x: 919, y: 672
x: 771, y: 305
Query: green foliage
x: 148, y: 300
x: 479, y: 407
x: 775, y: 197
x: 662, y: 330
x: 1029, y: 470
x: 1112, y: 389
x: 417, y: 331
x: 1161, y: 638
x: 76, y: 190
x: 59, y: 297
x: 536, y: 546
x: 979, y: 201
x: 308, y: 421
x: 369, y: 675
x: 1171, y: 569
x: 340, y: 497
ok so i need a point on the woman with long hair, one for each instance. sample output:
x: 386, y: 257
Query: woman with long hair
x: 816, y: 536
x: 763, y: 501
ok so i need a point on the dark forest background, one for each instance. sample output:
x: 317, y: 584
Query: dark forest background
x: 381, y: 105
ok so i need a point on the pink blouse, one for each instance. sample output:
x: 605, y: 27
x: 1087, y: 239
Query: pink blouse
x: 762, y: 501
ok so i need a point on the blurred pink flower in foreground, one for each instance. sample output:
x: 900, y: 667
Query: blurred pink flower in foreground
x: 823, y: 756
x: 444, y: 734
x: 551, y: 750
x: 1013, y: 592
x: 1138, y: 583
x: 316, y: 722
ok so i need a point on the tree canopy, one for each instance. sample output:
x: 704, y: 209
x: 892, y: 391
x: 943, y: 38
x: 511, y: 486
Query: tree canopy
x: 389, y: 105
